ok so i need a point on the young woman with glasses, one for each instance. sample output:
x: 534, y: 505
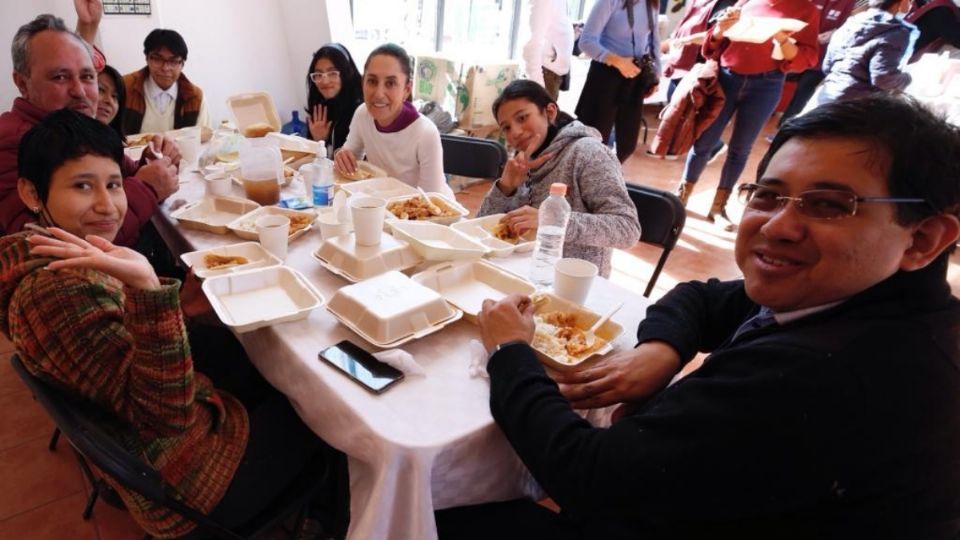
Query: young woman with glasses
x: 334, y: 90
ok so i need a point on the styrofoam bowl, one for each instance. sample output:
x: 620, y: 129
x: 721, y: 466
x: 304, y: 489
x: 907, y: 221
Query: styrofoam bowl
x: 467, y: 284
x: 256, y: 256
x: 436, y: 242
x: 342, y: 256
x: 263, y: 297
x: 609, y: 331
x: 440, y: 200
x: 245, y: 225
x: 391, y: 309
x: 212, y: 214
x: 481, y: 228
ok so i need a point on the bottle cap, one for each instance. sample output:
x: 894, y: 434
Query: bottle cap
x: 558, y: 189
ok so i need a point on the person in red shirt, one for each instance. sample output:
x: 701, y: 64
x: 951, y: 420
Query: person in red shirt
x: 751, y: 76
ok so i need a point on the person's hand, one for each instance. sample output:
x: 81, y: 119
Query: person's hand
x: 193, y: 302
x: 653, y: 90
x: 628, y: 376
x: 725, y: 20
x: 344, y: 161
x: 88, y: 11
x: 626, y: 67
x: 517, y: 169
x: 165, y: 146
x: 522, y: 220
x: 95, y: 253
x: 319, y: 125
x: 161, y: 175
x: 510, y: 319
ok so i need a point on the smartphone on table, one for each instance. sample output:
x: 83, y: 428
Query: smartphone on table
x: 361, y: 366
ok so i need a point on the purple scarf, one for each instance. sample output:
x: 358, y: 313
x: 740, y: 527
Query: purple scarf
x: 408, y: 115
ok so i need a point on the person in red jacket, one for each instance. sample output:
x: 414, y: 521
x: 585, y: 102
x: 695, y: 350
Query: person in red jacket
x: 53, y: 69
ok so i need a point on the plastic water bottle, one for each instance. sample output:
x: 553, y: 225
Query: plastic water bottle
x: 323, y: 184
x: 295, y: 126
x: 553, y: 217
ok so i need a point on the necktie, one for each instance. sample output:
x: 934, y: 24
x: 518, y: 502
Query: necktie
x: 162, y: 102
x: 760, y: 320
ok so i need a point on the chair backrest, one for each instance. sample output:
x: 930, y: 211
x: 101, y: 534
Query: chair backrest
x: 472, y: 157
x: 662, y: 217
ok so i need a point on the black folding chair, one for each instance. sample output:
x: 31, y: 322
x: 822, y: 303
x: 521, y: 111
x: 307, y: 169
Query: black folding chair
x: 472, y: 157
x: 81, y: 421
x: 662, y: 217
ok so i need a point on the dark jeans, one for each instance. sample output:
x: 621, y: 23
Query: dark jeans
x: 753, y: 98
x: 806, y: 85
x: 520, y: 519
x: 599, y: 107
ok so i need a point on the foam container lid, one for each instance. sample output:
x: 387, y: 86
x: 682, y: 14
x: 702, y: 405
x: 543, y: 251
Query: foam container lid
x: 342, y: 256
x: 436, y: 242
x: 481, y: 229
x: 253, y: 108
x: 263, y: 297
x: 391, y: 309
x: 438, y: 199
x: 245, y: 225
x: 256, y: 256
x: 467, y: 284
x: 213, y: 213
x: 610, y: 331
x: 385, y: 188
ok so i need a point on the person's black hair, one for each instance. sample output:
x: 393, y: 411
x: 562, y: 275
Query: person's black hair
x: 62, y: 136
x: 882, y: 4
x: 920, y: 149
x: 161, y: 38
x: 532, y: 92
x: 117, y: 122
x: 351, y: 84
x: 396, y: 51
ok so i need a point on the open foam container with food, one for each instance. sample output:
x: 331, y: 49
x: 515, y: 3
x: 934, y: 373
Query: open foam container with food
x: 437, y: 242
x: 467, y: 284
x: 342, y: 256
x: 414, y: 208
x: 263, y: 297
x: 300, y: 222
x: 229, y: 259
x: 385, y: 188
x: 365, y: 170
x: 253, y: 108
x: 391, y: 309
x: 485, y: 230
x: 212, y: 214
x: 552, y: 349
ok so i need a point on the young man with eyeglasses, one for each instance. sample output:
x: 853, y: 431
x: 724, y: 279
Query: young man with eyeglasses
x: 159, y: 96
x: 829, y: 406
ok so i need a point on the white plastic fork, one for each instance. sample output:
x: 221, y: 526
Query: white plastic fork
x: 591, y: 334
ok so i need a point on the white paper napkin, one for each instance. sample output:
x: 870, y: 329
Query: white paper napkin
x: 401, y: 360
x: 478, y: 359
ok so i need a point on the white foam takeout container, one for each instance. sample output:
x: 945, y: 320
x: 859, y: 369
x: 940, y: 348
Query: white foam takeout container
x: 368, y: 169
x: 263, y: 297
x: 610, y: 331
x: 212, y: 214
x: 467, y: 284
x: 385, y: 188
x: 481, y: 229
x: 256, y: 256
x: 439, y: 200
x: 437, y: 242
x: 253, y: 108
x: 245, y: 225
x: 342, y: 256
x: 391, y: 309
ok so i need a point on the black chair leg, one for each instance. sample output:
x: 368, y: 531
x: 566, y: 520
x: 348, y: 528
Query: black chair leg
x: 53, y: 440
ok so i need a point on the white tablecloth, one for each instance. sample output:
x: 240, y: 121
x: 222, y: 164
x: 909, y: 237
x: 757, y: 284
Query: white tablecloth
x: 427, y: 443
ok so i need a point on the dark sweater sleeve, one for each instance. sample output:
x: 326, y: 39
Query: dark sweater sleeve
x: 141, y: 204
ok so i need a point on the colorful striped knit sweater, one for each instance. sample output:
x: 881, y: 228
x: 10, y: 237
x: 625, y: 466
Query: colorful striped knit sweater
x: 127, y: 350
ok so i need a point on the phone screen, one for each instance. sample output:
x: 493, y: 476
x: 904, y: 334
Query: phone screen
x: 361, y: 366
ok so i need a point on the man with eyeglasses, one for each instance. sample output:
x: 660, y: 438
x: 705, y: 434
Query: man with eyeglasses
x: 159, y: 96
x: 829, y: 404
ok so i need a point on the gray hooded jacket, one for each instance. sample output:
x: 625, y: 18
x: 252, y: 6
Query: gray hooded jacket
x: 602, y: 215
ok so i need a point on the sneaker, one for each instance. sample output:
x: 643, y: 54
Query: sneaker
x: 717, y: 152
x: 653, y: 155
x: 668, y: 157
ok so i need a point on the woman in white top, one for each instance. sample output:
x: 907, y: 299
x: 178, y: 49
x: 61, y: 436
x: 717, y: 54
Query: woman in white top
x: 389, y: 130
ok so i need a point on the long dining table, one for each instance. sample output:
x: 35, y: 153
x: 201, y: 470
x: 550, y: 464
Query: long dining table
x: 425, y: 444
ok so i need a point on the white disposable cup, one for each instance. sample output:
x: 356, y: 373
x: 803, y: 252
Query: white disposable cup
x: 330, y: 226
x: 572, y: 279
x: 368, y: 214
x: 310, y: 174
x: 189, y: 144
x: 218, y: 184
x: 273, y: 231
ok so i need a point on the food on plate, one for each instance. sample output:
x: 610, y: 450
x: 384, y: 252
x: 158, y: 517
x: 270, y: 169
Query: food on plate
x: 299, y: 221
x: 502, y: 231
x: 558, y: 336
x: 359, y: 174
x: 213, y: 261
x: 258, y: 129
x: 418, y: 208
x: 140, y: 139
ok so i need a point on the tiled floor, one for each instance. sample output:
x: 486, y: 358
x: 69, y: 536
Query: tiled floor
x: 42, y: 493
